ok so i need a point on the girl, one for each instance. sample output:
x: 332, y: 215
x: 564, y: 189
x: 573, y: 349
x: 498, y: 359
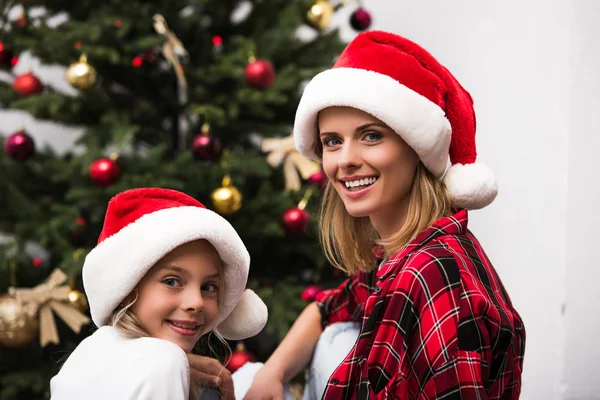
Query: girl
x: 435, y: 319
x: 165, y: 272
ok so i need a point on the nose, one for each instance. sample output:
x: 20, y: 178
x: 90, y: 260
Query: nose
x: 349, y: 156
x: 191, y: 300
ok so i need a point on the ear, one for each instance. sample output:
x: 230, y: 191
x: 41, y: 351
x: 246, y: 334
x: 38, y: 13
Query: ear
x: 247, y: 319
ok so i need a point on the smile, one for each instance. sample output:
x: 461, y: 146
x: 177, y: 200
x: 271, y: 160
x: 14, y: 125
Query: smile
x: 184, y: 329
x: 359, y: 187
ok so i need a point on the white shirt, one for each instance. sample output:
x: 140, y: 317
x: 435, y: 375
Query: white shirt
x: 108, y: 365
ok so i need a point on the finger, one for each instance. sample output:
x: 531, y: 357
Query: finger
x: 204, y: 364
x: 226, y: 385
x: 204, y: 379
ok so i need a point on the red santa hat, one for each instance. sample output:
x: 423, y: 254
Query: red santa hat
x: 143, y: 225
x: 404, y: 86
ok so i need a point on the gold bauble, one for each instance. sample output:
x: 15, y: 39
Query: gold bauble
x: 320, y: 14
x: 226, y: 199
x: 81, y: 75
x: 17, y: 327
x: 78, y: 300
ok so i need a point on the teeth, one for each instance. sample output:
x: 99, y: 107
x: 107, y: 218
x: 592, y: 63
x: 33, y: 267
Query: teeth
x: 360, y: 182
x: 184, y: 325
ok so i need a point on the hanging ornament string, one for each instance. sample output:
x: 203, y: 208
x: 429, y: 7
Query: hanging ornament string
x: 173, y: 50
x: 283, y: 151
x: 45, y: 298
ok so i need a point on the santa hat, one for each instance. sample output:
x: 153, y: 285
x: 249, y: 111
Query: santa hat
x: 143, y: 225
x: 404, y: 86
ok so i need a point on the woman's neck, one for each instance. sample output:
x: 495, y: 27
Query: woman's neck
x: 390, y: 220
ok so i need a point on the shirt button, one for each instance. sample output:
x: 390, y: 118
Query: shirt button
x: 334, y: 381
x: 377, y: 289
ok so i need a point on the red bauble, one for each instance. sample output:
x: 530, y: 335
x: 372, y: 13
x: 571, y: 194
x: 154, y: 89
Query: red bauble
x: 19, y: 146
x: 260, y: 74
x: 239, y: 357
x: 146, y: 58
x: 310, y: 292
x: 360, y: 19
x: 295, y: 221
x: 104, y: 171
x: 7, y: 57
x: 27, y: 84
x: 206, y: 148
x: 318, y: 179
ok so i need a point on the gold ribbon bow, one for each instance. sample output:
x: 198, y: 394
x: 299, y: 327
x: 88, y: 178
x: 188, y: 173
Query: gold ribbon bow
x: 172, y: 49
x: 282, y: 150
x: 48, y: 297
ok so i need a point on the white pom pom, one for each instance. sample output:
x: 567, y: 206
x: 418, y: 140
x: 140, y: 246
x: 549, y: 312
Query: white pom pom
x: 471, y: 186
x: 247, y: 319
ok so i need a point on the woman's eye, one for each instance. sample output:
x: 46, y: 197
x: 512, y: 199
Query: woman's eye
x: 210, y: 287
x: 331, y: 141
x: 373, y: 136
x: 173, y: 282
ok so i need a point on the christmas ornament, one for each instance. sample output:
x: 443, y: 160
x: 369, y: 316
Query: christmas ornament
x: 295, y: 220
x: 21, y: 22
x: 78, y: 300
x: 17, y: 326
x: 146, y: 58
x: 81, y: 75
x: 281, y: 151
x: 227, y: 199
x: 49, y: 297
x: 36, y: 261
x: 319, y: 179
x: 19, y: 145
x: 259, y: 74
x: 27, y: 84
x: 239, y: 357
x: 310, y: 292
x: 104, y: 171
x: 7, y: 57
x: 172, y: 49
x: 206, y: 147
x: 320, y: 14
x: 360, y: 19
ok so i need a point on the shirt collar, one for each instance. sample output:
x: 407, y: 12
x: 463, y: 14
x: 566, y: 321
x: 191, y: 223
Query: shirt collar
x: 455, y: 224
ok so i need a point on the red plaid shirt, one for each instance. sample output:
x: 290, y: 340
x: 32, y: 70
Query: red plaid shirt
x: 436, y: 323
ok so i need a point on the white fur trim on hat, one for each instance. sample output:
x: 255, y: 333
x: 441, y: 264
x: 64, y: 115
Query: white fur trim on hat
x: 471, y: 186
x: 246, y: 319
x: 421, y: 123
x: 116, y: 265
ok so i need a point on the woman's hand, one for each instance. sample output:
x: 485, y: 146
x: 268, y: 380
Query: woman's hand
x: 209, y: 372
x: 267, y: 385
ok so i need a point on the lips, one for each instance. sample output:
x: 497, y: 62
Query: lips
x: 184, y: 328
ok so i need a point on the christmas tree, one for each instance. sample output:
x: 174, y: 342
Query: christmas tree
x: 194, y: 95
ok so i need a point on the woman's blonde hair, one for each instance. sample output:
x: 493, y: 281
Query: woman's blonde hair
x: 211, y: 344
x: 348, y: 241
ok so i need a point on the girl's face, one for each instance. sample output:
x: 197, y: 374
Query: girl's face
x: 178, y: 297
x: 371, y: 168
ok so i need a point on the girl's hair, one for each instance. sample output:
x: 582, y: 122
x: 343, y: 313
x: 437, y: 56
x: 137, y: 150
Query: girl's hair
x: 211, y: 344
x: 348, y: 241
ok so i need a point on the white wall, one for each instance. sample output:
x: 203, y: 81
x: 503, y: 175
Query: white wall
x: 533, y: 69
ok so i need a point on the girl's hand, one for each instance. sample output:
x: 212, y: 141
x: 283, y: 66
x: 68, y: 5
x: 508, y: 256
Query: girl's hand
x: 209, y: 372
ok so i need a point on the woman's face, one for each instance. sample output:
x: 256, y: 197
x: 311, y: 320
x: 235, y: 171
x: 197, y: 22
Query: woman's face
x: 178, y: 297
x: 370, y: 166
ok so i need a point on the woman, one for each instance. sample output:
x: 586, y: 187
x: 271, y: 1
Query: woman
x: 436, y: 321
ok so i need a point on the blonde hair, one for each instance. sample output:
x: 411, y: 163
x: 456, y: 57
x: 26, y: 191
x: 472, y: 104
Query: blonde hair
x: 348, y: 241
x: 130, y: 326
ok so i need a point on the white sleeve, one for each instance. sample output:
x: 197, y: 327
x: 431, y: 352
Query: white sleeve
x: 161, y: 374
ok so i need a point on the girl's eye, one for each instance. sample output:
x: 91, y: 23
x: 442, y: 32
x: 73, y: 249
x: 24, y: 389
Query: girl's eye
x: 210, y: 287
x: 173, y: 282
x: 372, y: 136
x: 331, y: 141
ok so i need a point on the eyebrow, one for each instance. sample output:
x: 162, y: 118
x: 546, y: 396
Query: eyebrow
x: 360, y: 128
x: 175, y: 268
